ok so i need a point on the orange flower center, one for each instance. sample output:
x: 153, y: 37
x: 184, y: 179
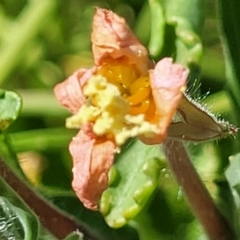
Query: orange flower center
x: 134, y: 88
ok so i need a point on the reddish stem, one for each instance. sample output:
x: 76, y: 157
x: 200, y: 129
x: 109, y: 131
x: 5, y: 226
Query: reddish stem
x: 196, y: 193
x: 58, y: 223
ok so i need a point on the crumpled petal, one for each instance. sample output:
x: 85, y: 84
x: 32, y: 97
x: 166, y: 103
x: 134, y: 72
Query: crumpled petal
x: 168, y: 82
x: 69, y: 93
x: 113, y: 39
x: 92, y: 160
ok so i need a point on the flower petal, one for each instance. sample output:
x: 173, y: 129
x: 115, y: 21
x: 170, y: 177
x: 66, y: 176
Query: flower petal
x: 113, y: 39
x: 168, y: 81
x: 69, y: 93
x: 92, y: 161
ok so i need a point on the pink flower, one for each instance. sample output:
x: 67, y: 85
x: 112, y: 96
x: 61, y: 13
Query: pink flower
x: 117, y: 99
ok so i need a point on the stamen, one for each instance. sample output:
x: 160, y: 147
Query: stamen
x: 139, y: 83
x: 118, y: 74
x: 133, y: 87
x: 139, y: 96
x: 140, y: 108
x: 151, y: 111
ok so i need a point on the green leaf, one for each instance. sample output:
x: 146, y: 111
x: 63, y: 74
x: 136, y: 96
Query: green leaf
x: 45, y: 234
x: 93, y: 220
x: 157, y: 28
x: 233, y: 177
x: 10, y: 106
x: 16, y: 219
x: 133, y: 178
x: 16, y: 222
x: 230, y: 18
x: 233, y: 173
x: 74, y: 236
x: 9, y: 221
x: 186, y: 19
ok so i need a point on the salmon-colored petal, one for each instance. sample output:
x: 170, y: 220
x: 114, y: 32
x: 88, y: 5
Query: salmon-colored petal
x: 69, y: 93
x: 168, y: 81
x: 92, y: 161
x: 113, y: 39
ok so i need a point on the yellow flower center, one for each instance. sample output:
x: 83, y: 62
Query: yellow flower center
x: 134, y: 88
x: 119, y: 104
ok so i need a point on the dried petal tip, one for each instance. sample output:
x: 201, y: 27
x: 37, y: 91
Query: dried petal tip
x: 113, y: 39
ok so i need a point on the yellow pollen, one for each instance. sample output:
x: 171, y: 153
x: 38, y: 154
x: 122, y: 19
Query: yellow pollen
x: 111, y: 113
x: 134, y: 88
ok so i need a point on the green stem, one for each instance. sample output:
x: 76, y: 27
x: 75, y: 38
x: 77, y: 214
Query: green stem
x: 20, y: 34
x: 230, y: 18
x: 40, y: 103
x: 229, y: 13
x: 213, y: 66
x: 220, y: 103
x: 7, y: 152
x: 41, y: 139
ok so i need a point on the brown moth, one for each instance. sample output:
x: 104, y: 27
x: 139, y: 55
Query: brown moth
x: 194, y: 123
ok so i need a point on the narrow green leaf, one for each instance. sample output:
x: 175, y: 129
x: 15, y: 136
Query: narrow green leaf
x: 10, y: 106
x: 230, y: 18
x: 27, y: 26
x: 41, y: 139
x: 133, y: 179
